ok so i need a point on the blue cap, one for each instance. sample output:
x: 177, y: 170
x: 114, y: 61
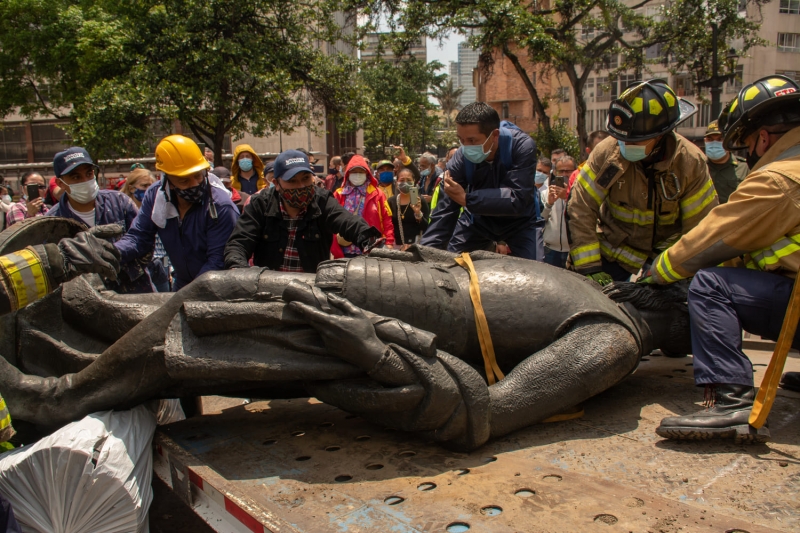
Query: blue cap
x: 71, y: 158
x: 290, y: 163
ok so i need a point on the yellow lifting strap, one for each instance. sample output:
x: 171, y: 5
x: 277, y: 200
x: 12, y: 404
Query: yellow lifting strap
x: 493, y: 372
x: 769, y: 385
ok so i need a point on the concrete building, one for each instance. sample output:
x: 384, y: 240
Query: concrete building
x: 375, y: 46
x: 506, y: 92
x: 461, y: 72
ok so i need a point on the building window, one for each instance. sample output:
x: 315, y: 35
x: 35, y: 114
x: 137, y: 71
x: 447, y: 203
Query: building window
x: 602, y: 115
x: 791, y: 74
x: 505, y: 110
x: 564, y: 121
x: 48, y: 140
x: 626, y: 80
x: 563, y: 94
x: 588, y: 89
x: 682, y: 84
x: 587, y: 34
x: 590, y: 120
x: 612, y: 61
x: 789, y: 42
x: 736, y: 85
x: 791, y: 7
x: 704, y: 115
x: 13, y: 148
x: 606, y: 89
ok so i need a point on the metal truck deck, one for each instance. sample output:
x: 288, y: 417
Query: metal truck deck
x: 303, y: 466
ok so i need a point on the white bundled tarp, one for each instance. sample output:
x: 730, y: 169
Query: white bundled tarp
x: 92, y: 476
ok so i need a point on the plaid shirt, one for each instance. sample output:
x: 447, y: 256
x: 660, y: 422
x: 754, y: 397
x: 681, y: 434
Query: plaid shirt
x: 291, y: 258
x: 19, y: 212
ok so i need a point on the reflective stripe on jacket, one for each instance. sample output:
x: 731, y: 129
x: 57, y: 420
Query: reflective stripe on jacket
x: 760, y: 222
x: 613, y: 213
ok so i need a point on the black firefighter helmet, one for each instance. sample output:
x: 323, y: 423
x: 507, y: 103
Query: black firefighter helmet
x: 645, y: 110
x: 766, y: 102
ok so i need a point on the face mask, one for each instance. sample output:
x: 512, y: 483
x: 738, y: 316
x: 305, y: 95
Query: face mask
x: 85, y: 192
x: 246, y: 164
x: 298, y: 198
x: 6, y: 199
x: 357, y: 180
x: 404, y: 187
x: 753, y: 158
x: 540, y: 178
x: 139, y: 194
x: 632, y: 152
x: 193, y: 195
x: 475, y: 152
x: 715, y: 151
x: 425, y: 172
x: 386, y: 177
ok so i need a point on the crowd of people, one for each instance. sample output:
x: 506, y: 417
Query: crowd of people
x: 643, y: 204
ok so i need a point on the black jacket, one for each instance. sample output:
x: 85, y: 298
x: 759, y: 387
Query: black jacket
x: 262, y: 232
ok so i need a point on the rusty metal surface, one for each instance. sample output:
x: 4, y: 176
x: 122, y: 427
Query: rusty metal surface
x: 314, y: 468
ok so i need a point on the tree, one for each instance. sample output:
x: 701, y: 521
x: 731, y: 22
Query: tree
x: 395, y: 106
x: 219, y: 67
x: 448, y: 96
x: 573, y: 37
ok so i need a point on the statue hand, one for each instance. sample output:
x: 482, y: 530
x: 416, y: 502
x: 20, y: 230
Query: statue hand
x: 349, y: 336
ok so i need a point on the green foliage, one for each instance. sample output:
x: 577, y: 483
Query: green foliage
x: 558, y: 136
x: 219, y: 66
x: 448, y: 95
x: 395, y: 107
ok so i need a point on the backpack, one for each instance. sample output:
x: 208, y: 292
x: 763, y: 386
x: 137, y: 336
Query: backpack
x: 506, y: 159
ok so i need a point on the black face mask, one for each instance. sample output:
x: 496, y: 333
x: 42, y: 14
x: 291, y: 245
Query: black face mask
x: 192, y: 195
x: 753, y: 158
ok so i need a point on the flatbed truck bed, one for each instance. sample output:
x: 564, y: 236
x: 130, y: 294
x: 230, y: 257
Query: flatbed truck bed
x: 301, y: 466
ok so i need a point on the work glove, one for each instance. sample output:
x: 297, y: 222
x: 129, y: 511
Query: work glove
x: 86, y: 253
x: 370, y: 239
x: 601, y: 277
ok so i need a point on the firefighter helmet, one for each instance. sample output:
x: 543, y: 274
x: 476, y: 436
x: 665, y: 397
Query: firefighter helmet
x: 646, y: 110
x: 766, y: 102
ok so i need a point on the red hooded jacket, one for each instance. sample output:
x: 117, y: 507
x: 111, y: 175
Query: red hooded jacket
x: 376, y: 208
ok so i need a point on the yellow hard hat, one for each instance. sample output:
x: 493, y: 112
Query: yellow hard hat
x: 177, y: 155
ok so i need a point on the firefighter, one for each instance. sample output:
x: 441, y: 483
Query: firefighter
x: 760, y: 224
x: 646, y: 185
x: 33, y: 272
x: 727, y: 170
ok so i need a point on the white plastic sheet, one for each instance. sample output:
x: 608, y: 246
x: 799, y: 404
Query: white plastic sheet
x: 92, y: 476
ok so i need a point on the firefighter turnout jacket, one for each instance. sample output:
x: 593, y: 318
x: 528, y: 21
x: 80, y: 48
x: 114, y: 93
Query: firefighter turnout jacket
x: 627, y: 213
x: 760, y: 223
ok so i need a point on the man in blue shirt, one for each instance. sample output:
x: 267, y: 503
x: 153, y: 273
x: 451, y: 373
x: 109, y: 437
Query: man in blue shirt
x: 191, y: 213
x: 490, y: 193
x: 85, y: 202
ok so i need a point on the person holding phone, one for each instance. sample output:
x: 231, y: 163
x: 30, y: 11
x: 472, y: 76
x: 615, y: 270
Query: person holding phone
x: 554, y: 200
x: 409, y: 213
x: 32, y: 202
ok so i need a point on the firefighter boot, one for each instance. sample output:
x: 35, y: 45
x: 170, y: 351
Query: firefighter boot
x: 726, y: 416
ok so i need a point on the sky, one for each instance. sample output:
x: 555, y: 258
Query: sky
x: 445, y: 53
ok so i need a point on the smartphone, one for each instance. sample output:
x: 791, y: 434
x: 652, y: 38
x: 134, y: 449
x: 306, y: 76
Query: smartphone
x: 33, y: 191
x: 397, y: 149
x: 558, y: 181
x: 414, y: 194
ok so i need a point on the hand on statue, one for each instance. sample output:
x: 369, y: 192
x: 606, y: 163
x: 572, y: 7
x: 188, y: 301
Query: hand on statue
x: 85, y: 254
x: 349, y: 336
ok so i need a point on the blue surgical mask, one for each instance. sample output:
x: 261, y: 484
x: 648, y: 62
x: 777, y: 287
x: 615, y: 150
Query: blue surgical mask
x: 425, y: 172
x: 715, y: 151
x: 632, y: 152
x: 139, y: 194
x: 540, y: 178
x: 386, y: 177
x: 475, y: 153
x: 246, y: 164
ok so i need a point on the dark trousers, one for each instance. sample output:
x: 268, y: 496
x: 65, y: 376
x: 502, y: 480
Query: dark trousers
x: 555, y: 258
x: 722, y: 301
x: 616, y: 272
x: 527, y: 243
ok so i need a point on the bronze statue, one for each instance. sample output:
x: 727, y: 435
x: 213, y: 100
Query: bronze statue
x: 391, y: 337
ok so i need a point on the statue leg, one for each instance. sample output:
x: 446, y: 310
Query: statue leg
x: 591, y: 357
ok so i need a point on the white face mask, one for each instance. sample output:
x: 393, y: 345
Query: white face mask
x: 85, y: 192
x: 6, y: 199
x: 357, y: 180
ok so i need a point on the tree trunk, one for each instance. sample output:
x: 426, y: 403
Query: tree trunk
x: 538, y: 106
x: 219, y: 140
x: 577, y: 83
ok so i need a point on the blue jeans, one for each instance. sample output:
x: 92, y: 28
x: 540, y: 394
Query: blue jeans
x: 555, y: 258
x: 722, y: 301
